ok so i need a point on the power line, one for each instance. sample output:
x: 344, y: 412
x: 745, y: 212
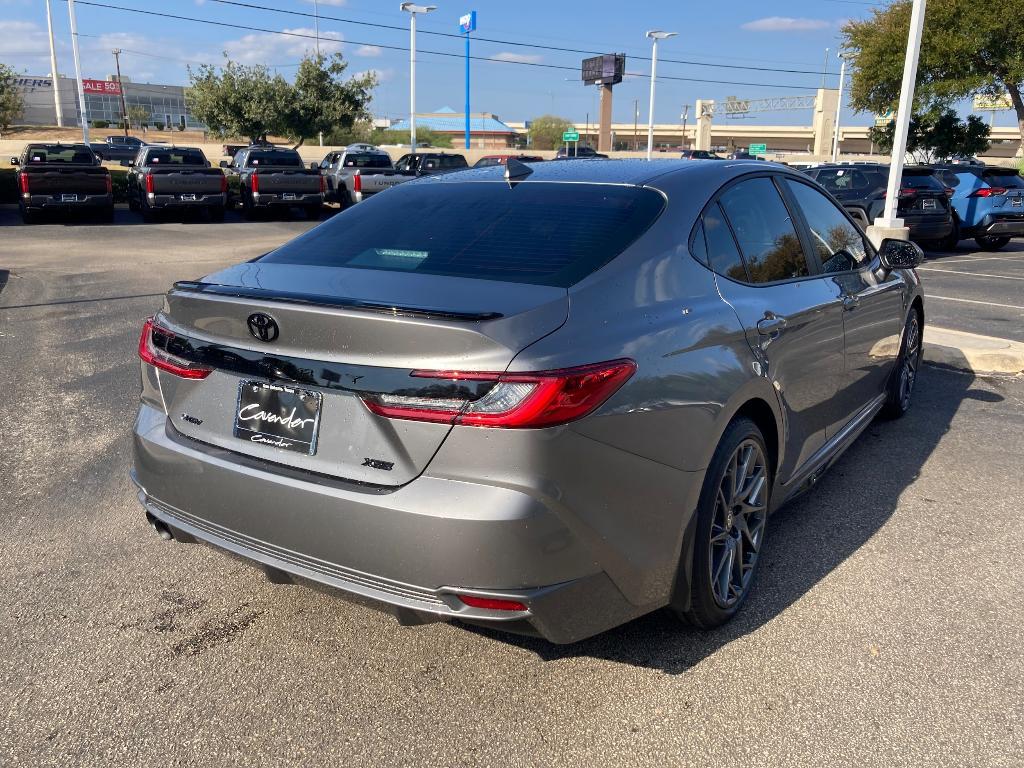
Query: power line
x: 210, y: 22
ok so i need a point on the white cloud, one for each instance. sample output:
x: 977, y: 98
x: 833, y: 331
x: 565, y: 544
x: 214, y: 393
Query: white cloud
x: 522, y: 58
x: 370, y: 51
x: 785, y: 24
x: 266, y: 47
x: 383, y: 75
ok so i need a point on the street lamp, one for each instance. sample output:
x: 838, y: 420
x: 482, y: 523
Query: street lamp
x: 412, y: 9
x: 655, y: 35
x: 845, y: 56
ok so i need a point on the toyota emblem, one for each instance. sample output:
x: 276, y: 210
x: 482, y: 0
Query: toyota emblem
x: 262, y: 326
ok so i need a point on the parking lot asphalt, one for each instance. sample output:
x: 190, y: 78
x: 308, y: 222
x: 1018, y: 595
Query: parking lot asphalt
x: 885, y: 629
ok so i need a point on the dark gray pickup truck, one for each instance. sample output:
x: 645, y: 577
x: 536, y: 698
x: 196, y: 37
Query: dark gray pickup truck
x: 62, y: 177
x: 179, y: 178
x: 117, y: 148
x: 276, y: 177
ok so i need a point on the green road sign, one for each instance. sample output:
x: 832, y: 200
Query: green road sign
x: 571, y: 136
x: 757, y: 149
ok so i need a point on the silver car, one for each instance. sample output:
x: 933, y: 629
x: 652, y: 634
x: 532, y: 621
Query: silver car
x: 546, y: 398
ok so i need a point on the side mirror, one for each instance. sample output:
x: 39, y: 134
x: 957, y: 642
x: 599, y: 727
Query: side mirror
x: 15, y: 161
x: 224, y: 164
x: 899, y: 254
x: 126, y: 163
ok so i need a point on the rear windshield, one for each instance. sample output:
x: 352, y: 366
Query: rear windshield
x: 541, y: 233
x: 1003, y: 177
x: 921, y: 179
x: 367, y: 160
x: 176, y: 157
x: 286, y: 157
x: 60, y: 153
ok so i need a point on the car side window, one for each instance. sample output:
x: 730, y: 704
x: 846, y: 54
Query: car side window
x: 764, y: 231
x: 722, y: 254
x: 839, y: 243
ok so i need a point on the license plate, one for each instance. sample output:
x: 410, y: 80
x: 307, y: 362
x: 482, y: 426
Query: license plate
x: 929, y: 205
x: 278, y: 416
x: 289, y: 196
x: 69, y: 198
x: 188, y: 197
x: 1017, y: 202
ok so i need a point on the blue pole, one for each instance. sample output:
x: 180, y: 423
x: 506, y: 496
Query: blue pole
x: 467, y: 89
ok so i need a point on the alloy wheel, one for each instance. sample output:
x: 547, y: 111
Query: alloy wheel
x: 911, y: 360
x: 737, y: 529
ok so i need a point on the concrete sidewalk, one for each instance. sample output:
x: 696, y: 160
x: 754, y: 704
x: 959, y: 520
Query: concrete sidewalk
x: 972, y: 352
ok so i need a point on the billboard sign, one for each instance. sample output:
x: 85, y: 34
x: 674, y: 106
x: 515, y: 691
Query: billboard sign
x: 571, y: 136
x: 102, y: 87
x: 604, y: 70
x: 467, y: 23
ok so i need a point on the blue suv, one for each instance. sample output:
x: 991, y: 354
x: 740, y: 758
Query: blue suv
x: 988, y: 204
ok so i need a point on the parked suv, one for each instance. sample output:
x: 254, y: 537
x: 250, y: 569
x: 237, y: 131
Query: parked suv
x: 923, y: 203
x: 988, y: 204
x: 430, y: 163
x: 547, y: 406
x: 581, y: 152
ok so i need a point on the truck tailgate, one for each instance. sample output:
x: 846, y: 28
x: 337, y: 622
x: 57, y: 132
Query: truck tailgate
x: 54, y: 181
x: 197, y: 181
x: 279, y: 181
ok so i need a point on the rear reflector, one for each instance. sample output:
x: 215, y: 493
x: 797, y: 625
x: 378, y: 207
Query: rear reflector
x: 989, y: 192
x: 492, y: 603
x: 153, y: 349
x: 516, y: 401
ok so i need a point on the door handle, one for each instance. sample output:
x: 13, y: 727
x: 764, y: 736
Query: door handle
x: 850, y: 301
x: 771, y: 324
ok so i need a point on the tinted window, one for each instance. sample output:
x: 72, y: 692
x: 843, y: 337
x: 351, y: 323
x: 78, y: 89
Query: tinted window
x: 722, y: 254
x: 842, y: 180
x: 923, y: 179
x: 535, y: 233
x: 367, y: 160
x: 764, y: 231
x: 176, y: 157
x: 949, y: 178
x: 281, y: 157
x: 485, y: 162
x: 453, y: 161
x: 1003, y: 177
x: 59, y: 153
x: 839, y: 243
x: 698, y: 246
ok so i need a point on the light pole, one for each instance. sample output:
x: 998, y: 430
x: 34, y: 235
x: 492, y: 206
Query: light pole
x: 845, y: 56
x: 53, y: 68
x: 316, y: 25
x: 412, y: 9
x: 686, y: 114
x: 120, y: 87
x: 78, y: 72
x: 636, y: 120
x: 655, y: 35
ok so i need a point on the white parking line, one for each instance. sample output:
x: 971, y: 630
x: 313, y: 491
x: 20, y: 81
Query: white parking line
x: 969, y: 259
x: 968, y: 274
x: 972, y: 301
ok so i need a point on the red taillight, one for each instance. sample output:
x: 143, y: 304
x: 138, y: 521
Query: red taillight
x: 161, y: 358
x: 23, y: 183
x: 492, y: 603
x: 904, y: 192
x: 989, y: 192
x: 254, y: 182
x: 949, y: 191
x: 110, y: 184
x: 150, y: 189
x: 516, y: 401
x: 323, y: 185
x: 357, y: 182
x: 223, y: 184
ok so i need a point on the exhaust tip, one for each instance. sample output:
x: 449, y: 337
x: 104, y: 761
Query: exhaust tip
x: 159, y: 526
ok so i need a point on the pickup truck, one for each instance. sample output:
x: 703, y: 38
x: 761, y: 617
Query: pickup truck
x: 430, y: 163
x: 62, y: 177
x: 117, y: 148
x: 358, y: 171
x: 276, y: 177
x: 175, y: 178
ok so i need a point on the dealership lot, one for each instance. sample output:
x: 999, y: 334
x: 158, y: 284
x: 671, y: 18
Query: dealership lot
x: 883, y: 631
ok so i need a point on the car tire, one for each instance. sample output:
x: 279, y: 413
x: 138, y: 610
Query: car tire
x: 313, y: 212
x: 991, y: 242
x: 900, y: 389
x: 148, y: 214
x: 28, y: 216
x: 215, y: 213
x: 950, y: 241
x: 731, y: 524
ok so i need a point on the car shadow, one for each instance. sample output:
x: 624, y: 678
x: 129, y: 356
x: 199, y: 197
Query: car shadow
x: 10, y: 217
x: 807, y: 539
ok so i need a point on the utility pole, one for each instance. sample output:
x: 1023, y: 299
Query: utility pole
x: 655, y: 35
x: 824, y: 69
x: 78, y: 72
x: 120, y: 87
x: 412, y: 10
x: 316, y: 25
x: 467, y: 24
x: 53, y: 69
x: 686, y: 114
x: 636, y: 123
x: 845, y: 57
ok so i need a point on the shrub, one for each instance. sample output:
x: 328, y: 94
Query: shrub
x: 158, y: 125
x: 100, y: 123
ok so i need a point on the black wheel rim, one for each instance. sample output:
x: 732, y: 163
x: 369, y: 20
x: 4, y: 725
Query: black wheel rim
x: 737, y: 529
x: 911, y: 360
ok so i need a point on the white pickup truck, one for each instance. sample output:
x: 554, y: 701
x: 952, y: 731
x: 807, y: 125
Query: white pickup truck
x: 358, y: 171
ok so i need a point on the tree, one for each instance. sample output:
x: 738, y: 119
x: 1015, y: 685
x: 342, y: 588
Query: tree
x: 11, y: 103
x: 322, y: 101
x: 937, y: 135
x: 240, y: 101
x: 423, y: 136
x: 546, y: 131
x: 967, y: 48
x: 138, y: 115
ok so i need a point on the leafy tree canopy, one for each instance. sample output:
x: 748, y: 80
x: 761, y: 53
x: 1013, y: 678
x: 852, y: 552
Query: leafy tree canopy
x: 324, y: 101
x: 546, y: 131
x: 937, y: 135
x: 11, y: 103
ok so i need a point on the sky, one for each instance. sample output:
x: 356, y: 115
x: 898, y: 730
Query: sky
x: 732, y: 53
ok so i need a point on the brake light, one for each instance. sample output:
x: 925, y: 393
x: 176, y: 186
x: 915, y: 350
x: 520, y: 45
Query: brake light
x: 23, y: 183
x: 110, y: 184
x: 492, y: 603
x: 153, y: 349
x: 357, y: 182
x: 323, y: 185
x: 516, y: 401
x: 254, y: 183
x: 150, y: 188
x: 949, y: 191
x: 223, y: 184
x: 905, y: 192
x: 989, y: 192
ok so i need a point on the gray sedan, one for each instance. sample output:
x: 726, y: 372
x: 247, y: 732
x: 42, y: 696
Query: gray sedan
x: 545, y: 398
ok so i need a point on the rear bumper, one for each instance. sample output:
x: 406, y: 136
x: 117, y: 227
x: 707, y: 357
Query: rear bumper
x: 930, y: 230
x: 177, y: 201
x: 411, y: 549
x: 50, y: 202
x: 262, y: 199
x: 1005, y: 224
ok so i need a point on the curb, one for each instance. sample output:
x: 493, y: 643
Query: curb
x: 972, y: 352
